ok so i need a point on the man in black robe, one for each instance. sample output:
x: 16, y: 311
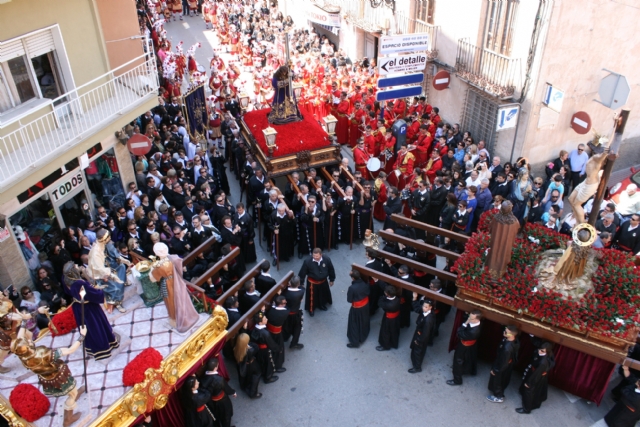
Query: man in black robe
x: 626, y: 412
x: 283, y: 226
x: 506, y: 357
x: 267, y: 346
x: 393, y: 205
x: 374, y: 290
x: 465, y: 357
x: 346, y: 216
x: 419, y: 204
x: 318, y: 267
x: 627, y: 238
x: 422, y: 336
x: 249, y: 297
x: 232, y: 234
x: 358, y: 296
x: 264, y: 281
x: 293, y: 325
x: 247, y: 246
x: 364, y: 209
x: 220, y: 403
x: 276, y: 316
x: 311, y: 231
x: 437, y: 202
x: 390, y: 325
x: 220, y: 210
x: 536, y: 379
x: 405, y: 297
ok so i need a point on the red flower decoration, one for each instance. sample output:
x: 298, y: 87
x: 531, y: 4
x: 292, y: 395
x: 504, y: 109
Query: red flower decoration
x: 64, y: 321
x: 133, y: 373
x: 29, y: 402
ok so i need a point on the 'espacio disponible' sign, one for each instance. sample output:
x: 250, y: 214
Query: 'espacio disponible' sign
x: 404, y: 43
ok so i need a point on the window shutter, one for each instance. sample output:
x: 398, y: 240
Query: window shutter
x: 40, y: 43
x: 11, y: 49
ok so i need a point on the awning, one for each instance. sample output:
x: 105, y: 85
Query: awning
x: 320, y: 16
x: 333, y: 30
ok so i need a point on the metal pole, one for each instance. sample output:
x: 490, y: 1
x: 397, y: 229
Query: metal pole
x: 620, y: 123
x: 84, y: 346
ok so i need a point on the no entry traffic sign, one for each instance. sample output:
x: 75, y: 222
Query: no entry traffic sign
x: 139, y: 145
x: 441, y: 80
x: 580, y: 122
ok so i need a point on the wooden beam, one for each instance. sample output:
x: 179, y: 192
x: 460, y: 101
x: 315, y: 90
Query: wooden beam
x: 241, y: 281
x: 524, y: 324
x: 266, y: 298
x: 332, y: 182
x: 217, y: 267
x: 444, y: 275
x: 204, y: 246
x: 399, y: 219
x: 418, y: 245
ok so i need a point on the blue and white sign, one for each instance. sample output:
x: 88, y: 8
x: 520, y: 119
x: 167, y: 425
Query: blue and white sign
x: 408, y: 79
x: 553, y: 97
x: 507, y: 117
x: 403, y: 92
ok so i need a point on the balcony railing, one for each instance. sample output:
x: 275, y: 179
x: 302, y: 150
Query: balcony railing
x: 491, y: 72
x: 406, y: 24
x: 68, y: 119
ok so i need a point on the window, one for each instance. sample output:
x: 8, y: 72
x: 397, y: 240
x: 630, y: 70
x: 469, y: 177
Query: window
x: 28, y: 70
x: 424, y: 10
x: 479, y: 118
x: 499, y: 23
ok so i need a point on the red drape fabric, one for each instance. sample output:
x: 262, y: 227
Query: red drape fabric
x: 575, y: 372
x: 172, y: 414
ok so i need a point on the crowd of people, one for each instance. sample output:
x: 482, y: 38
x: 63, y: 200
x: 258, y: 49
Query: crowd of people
x: 440, y: 176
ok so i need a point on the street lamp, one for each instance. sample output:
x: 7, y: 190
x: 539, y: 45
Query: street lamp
x: 244, y: 100
x: 270, y: 138
x: 330, y: 122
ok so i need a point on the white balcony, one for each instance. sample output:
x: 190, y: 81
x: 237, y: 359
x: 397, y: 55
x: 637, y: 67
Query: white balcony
x: 70, y: 118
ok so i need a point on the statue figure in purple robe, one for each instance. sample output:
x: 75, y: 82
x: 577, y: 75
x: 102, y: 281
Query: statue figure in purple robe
x: 284, y: 108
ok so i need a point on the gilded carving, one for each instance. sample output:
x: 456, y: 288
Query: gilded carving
x: 12, y: 418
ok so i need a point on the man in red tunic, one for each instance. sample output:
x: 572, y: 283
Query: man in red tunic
x: 399, y: 108
x: 413, y: 129
x: 369, y: 140
x: 361, y: 157
x: 414, y: 106
x: 435, y: 117
x: 389, y: 116
x: 342, y: 127
x: 356, y: 123
x: 404, y: 165
x: 423, y: 146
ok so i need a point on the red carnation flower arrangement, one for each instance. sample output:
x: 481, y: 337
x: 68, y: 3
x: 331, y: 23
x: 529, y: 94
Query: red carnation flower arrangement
x: 29, y: 402
x: 64, y: 322
x: 133, y: 373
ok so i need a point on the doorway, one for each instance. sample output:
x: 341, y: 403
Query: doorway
x: 370, y: 46
x: 74, y: 208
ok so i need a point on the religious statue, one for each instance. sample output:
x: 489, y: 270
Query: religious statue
x: 168, y: 271
x: 284, y: 108
x: 521, y: 193
x: 101, y: 340
x: 588, y: 187
x: 571, y: 264
x: 54, y: 374
x: 504, y: 229
x: 10, y: 319
x: 100, y: 271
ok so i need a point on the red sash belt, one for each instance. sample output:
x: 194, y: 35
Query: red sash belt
x: 233, y: 247
x: 624, y: 247
x: 274, y: 329
x: 361, y: 166
x: 392, y: 314
x: 459, y: 227
x: 315, y: 282
x: 468, y: 343
x: 218, y: 397
x: 361, y: 303
x: 262, y: 346
x: 402, y: 300
x: 200, y: 409
x: 293, y: 312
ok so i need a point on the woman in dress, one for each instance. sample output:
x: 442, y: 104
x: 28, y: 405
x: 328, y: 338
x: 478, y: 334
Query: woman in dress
x: 30, y: 303
x: 520, y: 194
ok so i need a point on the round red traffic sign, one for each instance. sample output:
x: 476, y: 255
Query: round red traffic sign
x: 581, y: 122
x: 441, y: 80
x: 139, y: 144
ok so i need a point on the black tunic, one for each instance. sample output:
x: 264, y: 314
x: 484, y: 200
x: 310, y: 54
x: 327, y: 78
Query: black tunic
x: 358, y: 325
x: 536, y: 381
x: 319, y: 293
x: 420, y: 203
x: 264, y: 283
x: 364, y: 213
x: 277, y: 318
x: 306, y: 225
x: 393, y: 206
x: 465, y: 358
x: 423, y: 334
x: 249, y: 371
x: 405, y: 303
x: 220, y: 403
x: 286, y: 235
x: 390, y: 325
x: 235, y: 240
x: 437, y: 202
x: 266, y: 347
x: 374, y: 290
x: 247, y: 234
x: 500, y: 375
x: 345, y: 219
x: 196, y: 412
x: 626, y: 412
x: 628, y: 241
x: 293, y: 325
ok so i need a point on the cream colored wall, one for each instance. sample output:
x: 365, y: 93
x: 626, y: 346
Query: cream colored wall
x: 584, y: 38
x: 77, y: 22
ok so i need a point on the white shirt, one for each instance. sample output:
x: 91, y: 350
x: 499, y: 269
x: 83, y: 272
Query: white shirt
x: 319, y: 261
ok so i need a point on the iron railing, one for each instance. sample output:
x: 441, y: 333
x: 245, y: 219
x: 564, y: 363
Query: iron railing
x: 493, y: 73
x: 74, y: 115
x: 406, y: 24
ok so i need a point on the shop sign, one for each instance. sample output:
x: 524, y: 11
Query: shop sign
x: 53, y: 177
x: 67, y: 186
x: 4, y: 233
x: 319, y: 16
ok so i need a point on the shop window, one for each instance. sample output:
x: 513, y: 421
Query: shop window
x: 499, y: 24
x: 39, y: 223
x: 103, y: 178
